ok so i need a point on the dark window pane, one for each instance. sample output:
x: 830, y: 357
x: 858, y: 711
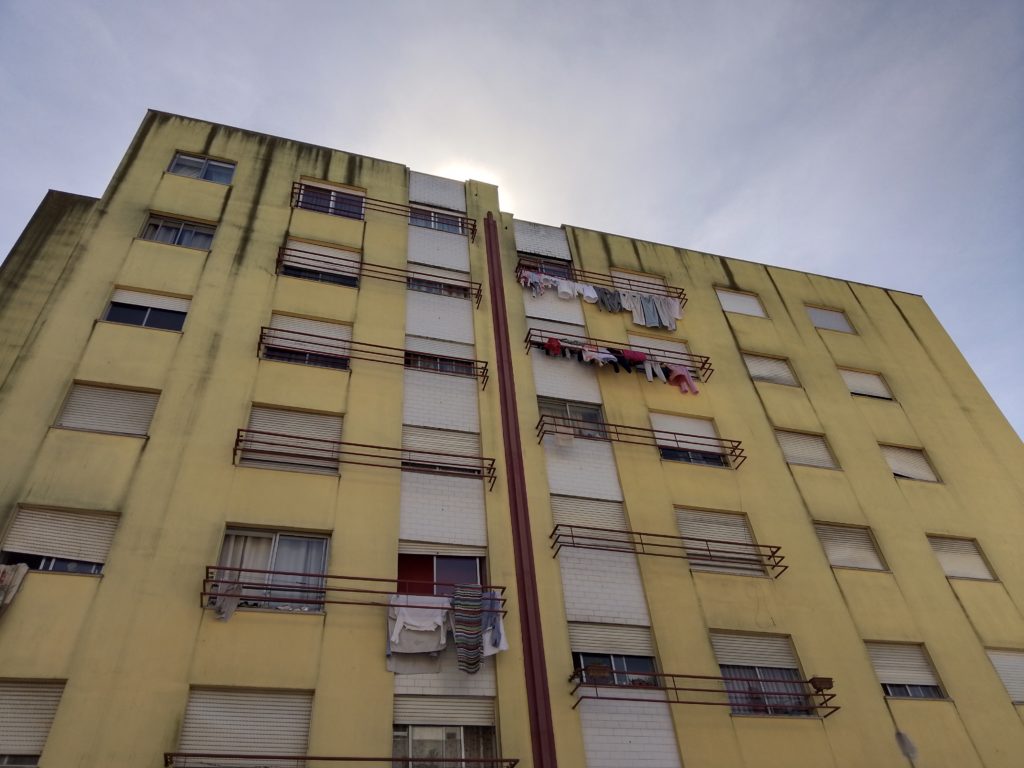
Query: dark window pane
x: 219, y: 172
x: 167, y: 319
x: 126, y: 313
x: 597, y: 668
x: 200, y: 238
x: 456, y: 570
x: 184, y: 165
x: 350, y: 206
x: 416, y: 574
x: 690, y: 456
x: 419, y: 218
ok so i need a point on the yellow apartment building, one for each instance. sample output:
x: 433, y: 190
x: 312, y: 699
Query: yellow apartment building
x: 309, y: 459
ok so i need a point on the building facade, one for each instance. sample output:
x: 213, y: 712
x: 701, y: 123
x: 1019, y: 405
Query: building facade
x: 307, y: 456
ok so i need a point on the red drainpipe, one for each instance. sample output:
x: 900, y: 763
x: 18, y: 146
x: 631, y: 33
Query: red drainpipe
x: 542, y: 730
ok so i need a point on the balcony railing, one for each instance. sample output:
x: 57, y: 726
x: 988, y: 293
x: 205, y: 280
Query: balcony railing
x: 337, y: 202
x: 225, y: 760
x: 566, y: 270
x: 733, y: 555
x: 698, y: 365
x: 745, y: 695
x: 324, y: 351
x: 305, y: 591
x: 255, y: 447
x: 693, y: 449
x: 346, y: 270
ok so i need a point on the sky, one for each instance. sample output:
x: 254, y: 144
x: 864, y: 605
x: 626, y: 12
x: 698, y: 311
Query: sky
x: 881, y: 142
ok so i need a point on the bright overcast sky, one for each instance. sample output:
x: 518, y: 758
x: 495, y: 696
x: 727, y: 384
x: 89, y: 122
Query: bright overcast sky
x: 874, y: 141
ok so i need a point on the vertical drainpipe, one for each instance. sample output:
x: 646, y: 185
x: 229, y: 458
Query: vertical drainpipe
x: 542, y: 735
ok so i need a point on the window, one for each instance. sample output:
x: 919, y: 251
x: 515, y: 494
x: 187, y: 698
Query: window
x: 197, y: 167
x: 612, y: 669
x: 425, y: 362
x: 226, y: 721
x: 865, y: 384
x: 438, y: 288
x: 443, y: 743
x: 189, y: 234
x: 728, y: 544
x: 1010, y: 668
x: 302, y: 557
x: 437, y: 574
x: 761, y: 674
x: 904, y: 671
x: 960, y: 558
x: 29, y: 760
x: 805, y: 449
x: 908, y: 463
x: 307, y: 342
x: 546, y: 266
x: 27, y: 709
x: 148, y: 310
x: 294, y: 440
x: 322, y: 263
x: 105, y: 409
x: 439, y: 220
x: 847, y: 546
x: 830, y: 319
x: 774, y: 369
x: 324, y: 198
x: 583, y: 419
x: 441, y: 451
x: 689, y: 440
x: 740, y: 303
x: 59, y: 541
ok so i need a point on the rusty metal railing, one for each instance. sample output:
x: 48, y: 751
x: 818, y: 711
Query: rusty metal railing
x: 528, y: 263
x: 238, y: 760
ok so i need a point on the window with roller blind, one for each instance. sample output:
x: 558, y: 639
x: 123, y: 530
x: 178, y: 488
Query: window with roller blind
x: 584, y: 419
x: 304, y: 341
x: 776, y: 370
x: 117, y: 411
x: 149, y: 310
x: 762, y: 676
x: 27, y: 709
x: 324, y: 197
x: 960, y: 558
x: 908, y: 463
x: 805, y: 449
x: 171, y: 231
x: 443, y: 744
x: 247, y: 722
x: 904, y: 670
x: 848, y: 546
x: 300, y: 441
x: 830, y: 319
x: 688, y: 439
x: 201, y: 167
x: 435, y: 574
x: 865, y: 384
x: 1009, y: 665
x: 58, y: 540
x: 440, y: 451
x: 426, y: 354
x: 728, y: 544
x: 740, y: 303
x: 320, y: 263
x: 299, y: 559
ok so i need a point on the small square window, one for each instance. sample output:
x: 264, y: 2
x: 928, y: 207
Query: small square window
x: 908, y: 463
x: 740, y: 303
x: 830, y: 319
x: 198, y: 167
x: 189, y: 234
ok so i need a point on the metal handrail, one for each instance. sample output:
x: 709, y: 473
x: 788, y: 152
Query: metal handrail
x: 528, y: 263
x: 241, y: 760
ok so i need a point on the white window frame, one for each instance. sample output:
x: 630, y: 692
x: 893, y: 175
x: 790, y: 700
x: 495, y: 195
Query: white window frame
x: 719, y: 291
x: 205, y: 163
x: 253, y: 601
x: 815, y: 307
x: 186, y: 231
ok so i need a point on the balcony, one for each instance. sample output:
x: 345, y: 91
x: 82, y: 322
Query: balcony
x: 567, y: 271
x: 219, y: 760
x: 336, y: 202
x: 735, y: 556
x: 746, y: 696
x: 345, y: 270
x: 675, y: 446
x: 309, y: 454
x: 327, y: 352
x: 698, y: 365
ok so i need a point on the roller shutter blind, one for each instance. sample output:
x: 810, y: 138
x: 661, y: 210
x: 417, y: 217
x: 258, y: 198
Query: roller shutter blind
x: 771, y: 369
x: 296, y: 433
x: 26, y: 714
x: 246, y: 722
x: 331, y: 338
x: 899, y: 664
x: 437, y: 446
x: 154, y: 300
x: 740, y: 303
x: 909, y: 463
x: 801, y: 448
x: 433, y: 548
x: 719, y: 527
x: 633, y: 281
x: 753, y: 650
x: 610, y: 638
x: 960, y: 558
x: 662, y: 422
x: 541, y: 239
x: 678, y: 347
x: 439, y: 347
x: 105, y: 409
x: 437, y: 191
x: 67, y: 535
x: 322, y: 258
x: 861, y: 383
x: 597, y: 513
x: 443, y: 710
x: 830, y: 319
x: 849, y: 547
x: 1010, y: 668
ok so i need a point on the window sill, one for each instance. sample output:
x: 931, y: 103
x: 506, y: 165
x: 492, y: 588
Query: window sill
x: 917, y: 480
x: 98, y: 431
x: 919, y: 698
x: 802, y: 718
x: 973, y: 578
x: 275, y: 611
x: 726, y: 573
x: 298, y: 470
x: 66, y: 573
x: 689, y: 463
x: 174, y: 245
x: 196, y: 178
x: 133, y: 325
x: 873, y: 397
x: 814, y: 466
x: 860, y: 568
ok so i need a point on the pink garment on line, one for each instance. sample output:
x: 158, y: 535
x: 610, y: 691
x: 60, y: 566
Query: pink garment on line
x: 680, y: 374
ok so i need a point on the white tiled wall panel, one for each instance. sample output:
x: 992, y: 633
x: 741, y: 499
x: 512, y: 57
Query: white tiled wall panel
x: 437, y: 400
x: 541, y: 239
x: 638, y: 734
x: 437, y: 190
x: 440, y: 317
x: 549, y: 306
x: 443, y: 509
x: 442, y: 249
x: 450, y: 681
x: 582, y: 468
x: 602, y: 587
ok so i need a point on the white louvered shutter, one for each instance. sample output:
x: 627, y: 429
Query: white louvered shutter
x: 247, y: 722
x: 960, y: 558
x: 443, y: 710
x: 900, y: 664
x: 908, y: 462
x: 633, y: 281
x: 67, y: 535
x: 1010, y: 668
x: 664, y: 345
x: 771, y: 369
x: 740, y: 303
x: 305, y: 335
x: 862, y: 383
x: 439, y: 347
x: 322, y: 258
x: 26, y: 714
x: 753, y: 650
x: 437, y: 191
x: 105, y: 409
x: 445, y: 448
x: 849, y: 547
x: 596, y: 513
x: 801, y: 448
x: 830, y: 319
x: 281, y: 439
x: 541, y: 239
x: 562, y: 377
x: 730, y: 542
x: 154, y: 300
x: 610, y: 638
x: 695, y: 434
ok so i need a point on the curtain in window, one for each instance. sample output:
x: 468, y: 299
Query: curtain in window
x: 242, y: 551
x: 298, y: 554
